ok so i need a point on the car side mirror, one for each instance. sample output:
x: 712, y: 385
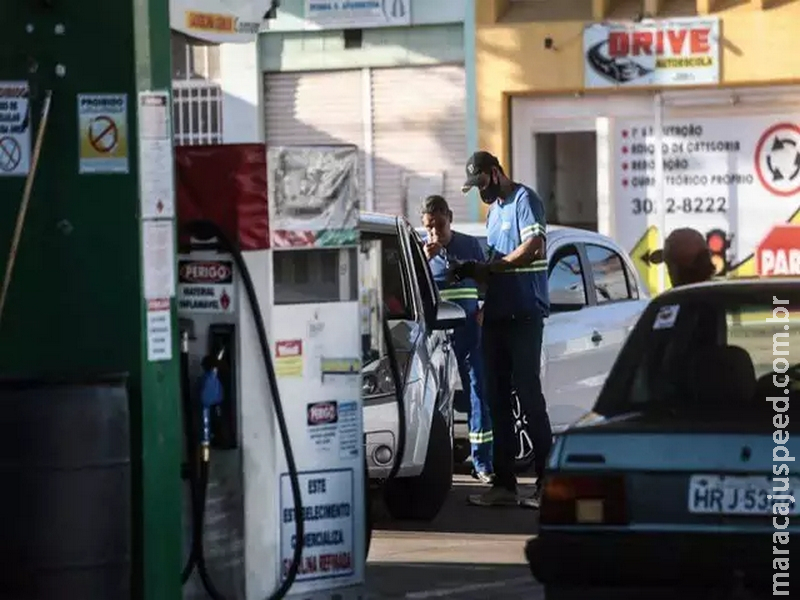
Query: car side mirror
x: 449, y: 315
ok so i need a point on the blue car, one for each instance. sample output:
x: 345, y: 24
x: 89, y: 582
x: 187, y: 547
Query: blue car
x: 683, y: 480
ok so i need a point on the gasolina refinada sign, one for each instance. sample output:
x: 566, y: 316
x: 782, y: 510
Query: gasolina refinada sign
x: 670, y: 52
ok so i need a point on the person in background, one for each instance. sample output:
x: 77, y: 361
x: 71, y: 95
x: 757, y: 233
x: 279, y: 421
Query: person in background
x: 686, y: 256
x: 443, y: 246
x: 517, y: 302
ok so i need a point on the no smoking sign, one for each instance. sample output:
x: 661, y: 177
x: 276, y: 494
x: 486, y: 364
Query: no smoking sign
x: 103, y: 126
x: 778, y: 159
x: 103, y: 134
x: 10, y: 154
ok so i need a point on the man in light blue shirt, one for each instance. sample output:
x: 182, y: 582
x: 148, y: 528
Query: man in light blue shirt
x: 517, y: 302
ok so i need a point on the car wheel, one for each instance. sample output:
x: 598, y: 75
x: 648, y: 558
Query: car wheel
x: 421, y: 498
x: 522, y: 436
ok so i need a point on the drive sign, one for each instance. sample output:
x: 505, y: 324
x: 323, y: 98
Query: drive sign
x: 778, y: 254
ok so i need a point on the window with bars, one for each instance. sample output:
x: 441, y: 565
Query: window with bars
x: 197, y: 113
x: 197, y: 94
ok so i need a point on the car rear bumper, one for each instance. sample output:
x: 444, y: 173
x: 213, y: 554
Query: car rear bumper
x: 616, y: 558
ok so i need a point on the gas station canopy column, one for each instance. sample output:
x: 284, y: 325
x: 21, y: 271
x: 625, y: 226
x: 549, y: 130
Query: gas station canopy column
x: 92, y: 286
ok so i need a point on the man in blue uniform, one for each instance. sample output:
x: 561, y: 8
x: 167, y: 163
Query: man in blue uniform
x: 517, y: 302
x: 443, y: 246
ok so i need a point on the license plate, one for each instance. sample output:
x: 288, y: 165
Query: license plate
x: 726, y: 495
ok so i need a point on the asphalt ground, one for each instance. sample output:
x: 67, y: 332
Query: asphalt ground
x: 467, y: 552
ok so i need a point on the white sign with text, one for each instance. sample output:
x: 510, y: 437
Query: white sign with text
x: 670, y: 52
x: 741, y: 180
x: 357, y: 14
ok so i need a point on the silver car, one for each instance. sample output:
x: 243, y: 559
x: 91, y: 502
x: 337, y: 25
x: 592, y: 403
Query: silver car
x: 395, y: 275
x: 596, y: 297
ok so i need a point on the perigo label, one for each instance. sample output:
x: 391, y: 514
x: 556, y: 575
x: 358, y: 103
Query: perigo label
x: 209, y: 272
x: 322, y: 413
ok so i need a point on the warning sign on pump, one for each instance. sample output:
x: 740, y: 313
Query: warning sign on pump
x: 103, y: 133
x: 15, y: 129
x: 205, y: 286
x: 329, y: 539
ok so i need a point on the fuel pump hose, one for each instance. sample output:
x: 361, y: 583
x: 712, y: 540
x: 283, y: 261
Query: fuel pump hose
x: 198, y: 468
x: 207, y: 230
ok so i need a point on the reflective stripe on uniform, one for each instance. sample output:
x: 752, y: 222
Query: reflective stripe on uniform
x: 463, y: 293
x: 481, y: 437
x: 528, y: 232
x: 537, y: 265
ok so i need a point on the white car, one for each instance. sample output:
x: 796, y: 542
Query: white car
x: 596, y: 298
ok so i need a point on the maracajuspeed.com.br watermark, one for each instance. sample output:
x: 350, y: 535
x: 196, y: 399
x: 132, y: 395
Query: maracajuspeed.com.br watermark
x: 782, y: 498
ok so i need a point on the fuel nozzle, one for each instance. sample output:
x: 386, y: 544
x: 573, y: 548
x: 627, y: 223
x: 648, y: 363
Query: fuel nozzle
x: 211, y: 393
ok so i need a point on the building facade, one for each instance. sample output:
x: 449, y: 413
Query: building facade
x: 393, y: 84
x: 636, y: 117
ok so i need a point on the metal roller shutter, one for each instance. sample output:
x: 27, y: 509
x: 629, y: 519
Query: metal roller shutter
x: 312, y: 108
x: 419, y: 137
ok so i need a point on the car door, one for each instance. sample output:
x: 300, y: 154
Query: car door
x: 434, y: 350
x: 614, y: 302
x: 568, y: 350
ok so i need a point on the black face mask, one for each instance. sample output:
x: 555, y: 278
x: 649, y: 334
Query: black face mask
x: 491, y: 192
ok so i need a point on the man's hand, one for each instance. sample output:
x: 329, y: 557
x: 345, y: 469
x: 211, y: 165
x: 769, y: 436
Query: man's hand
x: 469, y: 269
x: 432, y: 249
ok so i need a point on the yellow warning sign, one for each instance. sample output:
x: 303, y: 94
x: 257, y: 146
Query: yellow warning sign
x: 103, y: 133
x: 641, y: 256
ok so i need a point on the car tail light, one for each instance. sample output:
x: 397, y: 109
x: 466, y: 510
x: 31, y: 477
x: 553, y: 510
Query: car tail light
x: 583, y: 500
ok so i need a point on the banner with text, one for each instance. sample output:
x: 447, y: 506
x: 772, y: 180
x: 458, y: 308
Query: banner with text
x: 218, y: 21
x: 671, y: 52
x: 733, y: 181
x: 357, y: 14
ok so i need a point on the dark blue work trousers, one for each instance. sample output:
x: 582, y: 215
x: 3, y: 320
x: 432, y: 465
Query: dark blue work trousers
x: 467, y: 346
x: 512, y: 351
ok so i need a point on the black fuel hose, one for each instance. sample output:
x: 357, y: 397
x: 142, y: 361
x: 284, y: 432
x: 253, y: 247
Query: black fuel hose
x: 198, y: 479
x: 207, y: 230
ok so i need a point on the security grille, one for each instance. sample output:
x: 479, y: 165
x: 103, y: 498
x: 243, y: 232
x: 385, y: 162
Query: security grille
x: 196, y: 93
x: 197, y: 113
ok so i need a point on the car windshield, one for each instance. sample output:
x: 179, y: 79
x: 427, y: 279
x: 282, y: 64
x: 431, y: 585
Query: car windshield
x: 719, y: 352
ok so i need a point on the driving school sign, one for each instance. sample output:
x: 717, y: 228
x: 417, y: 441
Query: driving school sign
x: 103, y: 133
x: 670, y: 52
x: 15, y: 128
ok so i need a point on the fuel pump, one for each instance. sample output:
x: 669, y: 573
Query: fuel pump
x: 277, y: 465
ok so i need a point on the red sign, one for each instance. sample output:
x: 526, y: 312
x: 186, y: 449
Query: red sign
x: 777, y: 159
x: 674, y: 42
x: 778, y: 254
x: 205, y: 271
x: 322, y: 413
x: 289, y: 348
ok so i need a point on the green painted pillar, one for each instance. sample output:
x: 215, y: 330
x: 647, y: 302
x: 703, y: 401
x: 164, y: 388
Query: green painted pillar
x: 76, y: 303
